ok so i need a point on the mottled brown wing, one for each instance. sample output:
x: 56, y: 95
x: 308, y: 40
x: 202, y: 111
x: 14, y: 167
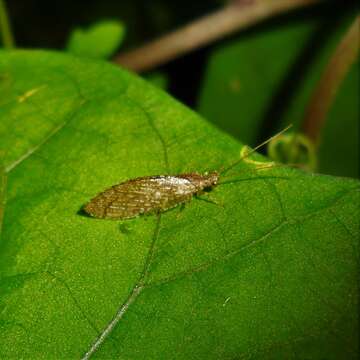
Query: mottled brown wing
x: 141, y: 196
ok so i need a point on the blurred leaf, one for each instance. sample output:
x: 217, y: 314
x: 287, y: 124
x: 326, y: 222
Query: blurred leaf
x: 100, y: 40
x: 339, y: 149
x: 243, y: 76
x: 273, y: 272
x: 159, y: 79
x: 293, y: 149
x: 265, y: 78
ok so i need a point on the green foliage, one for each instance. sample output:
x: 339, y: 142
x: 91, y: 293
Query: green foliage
x: 266, y: 77
x: 293, y: 149
x: 158, y: 79
x: 339, y: 147
x: 270, y: 271
x: 242, y: 77
x: 6, y: 36
x: 100, y: 40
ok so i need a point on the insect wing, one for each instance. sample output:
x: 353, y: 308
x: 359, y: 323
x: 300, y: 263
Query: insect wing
x: 140, y: 196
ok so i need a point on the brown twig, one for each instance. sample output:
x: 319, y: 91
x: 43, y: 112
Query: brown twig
x: 338, y: 66
x: 204, y: 31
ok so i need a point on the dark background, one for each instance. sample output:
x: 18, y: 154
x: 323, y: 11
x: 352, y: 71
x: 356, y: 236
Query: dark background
x: 48, y: 24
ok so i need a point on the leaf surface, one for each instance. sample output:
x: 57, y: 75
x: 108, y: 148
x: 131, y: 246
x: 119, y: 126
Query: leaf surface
x: 271, y: 271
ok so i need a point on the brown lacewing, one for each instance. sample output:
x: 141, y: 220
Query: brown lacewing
x: 156, y: 194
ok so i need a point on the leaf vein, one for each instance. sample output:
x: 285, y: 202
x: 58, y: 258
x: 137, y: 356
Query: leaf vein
x: 35, y: 148
x: 67, y: 287
x: 233, y: 253
x: 156, y: 131
x: 135, y: 292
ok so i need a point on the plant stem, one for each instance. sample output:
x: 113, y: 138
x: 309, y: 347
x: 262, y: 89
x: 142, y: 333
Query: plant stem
x: 338, y: 66
x: 205, y: 30
x: 5, y: 29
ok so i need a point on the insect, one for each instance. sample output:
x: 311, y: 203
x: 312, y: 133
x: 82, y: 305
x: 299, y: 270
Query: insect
x: 156, y: 194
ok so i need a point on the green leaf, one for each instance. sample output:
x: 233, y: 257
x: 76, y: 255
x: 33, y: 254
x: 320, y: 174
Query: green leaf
x: 339, y: 148
x: 293, y: 148
x: 242, y: 77
x: 100, y: 40
x: 269, y: 271
x: 159, y: 79
x: 266, y: 77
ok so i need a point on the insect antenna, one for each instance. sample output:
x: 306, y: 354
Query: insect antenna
x: 224, y: 171
x: 270, y: 165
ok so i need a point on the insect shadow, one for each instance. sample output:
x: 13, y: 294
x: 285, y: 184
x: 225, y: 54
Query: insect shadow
x: 157, y: 194
x: 82, y: 212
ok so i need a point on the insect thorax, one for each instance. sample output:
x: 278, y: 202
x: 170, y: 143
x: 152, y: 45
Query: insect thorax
x: 206, y: 180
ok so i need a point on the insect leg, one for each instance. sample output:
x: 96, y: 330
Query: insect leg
x: 181, y: 209
x: 209, y: 200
